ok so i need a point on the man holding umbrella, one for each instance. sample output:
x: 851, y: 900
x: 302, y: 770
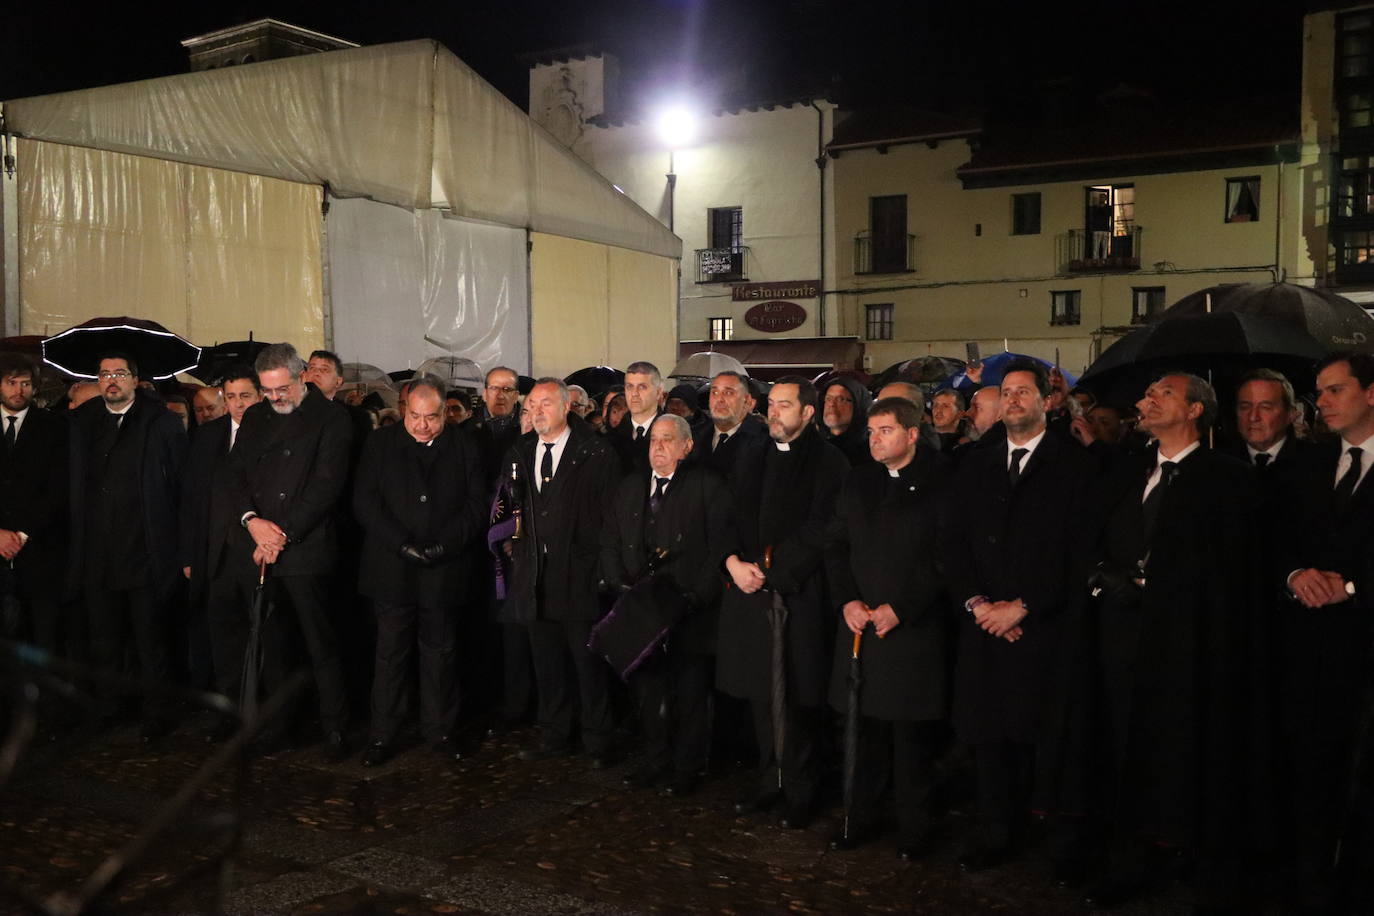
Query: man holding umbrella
x: 127, y: 455
x: 880, y: 557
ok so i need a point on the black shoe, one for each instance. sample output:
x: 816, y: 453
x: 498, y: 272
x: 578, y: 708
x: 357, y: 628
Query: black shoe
x: 335, y: 747
x: 154, y: 730
x: 795, y: 817
x: 844, y: 841
x: 758, y: 802
x: 604, y: 760
x: 643, y: 778
x: 544, y: 753
x: 981, y: 857
x: 452, y: 748
x: 376, y: 754
x: 223, y: 729
x: 1110, y: 893
x: 683, y: 785
x: 503, y: 726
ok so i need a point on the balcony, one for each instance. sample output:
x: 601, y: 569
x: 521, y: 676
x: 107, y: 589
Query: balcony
x: 723, y: 265
x: 884, y: 254
x: 1080, y: 250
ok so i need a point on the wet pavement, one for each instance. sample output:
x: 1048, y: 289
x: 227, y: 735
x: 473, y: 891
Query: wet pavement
x: 491, y: 834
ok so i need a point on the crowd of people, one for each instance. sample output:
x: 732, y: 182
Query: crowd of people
x: 1159, y: 643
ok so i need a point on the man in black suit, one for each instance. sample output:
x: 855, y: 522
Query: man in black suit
x: 127, y: 455
x: 1017, y: 563
x: 880, y: 558
x: 286, y: 474
x: 206, y: 519
x: 1182, y: 629
x: 1265, y: 410
x: 33, y: 503
x: 644, y: 398
x: 568, y: 473
x: 421, y: 501
x: 1325, y: 635
x: 671, y: 524
x: 784, y: 495
x: 733, y: 425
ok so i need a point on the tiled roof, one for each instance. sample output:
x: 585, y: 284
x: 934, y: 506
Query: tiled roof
x: 897, y: 124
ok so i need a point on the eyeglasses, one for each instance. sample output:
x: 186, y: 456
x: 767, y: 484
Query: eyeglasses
x: 282, y: 392
x: 121, y: 374
x: 498, y: 389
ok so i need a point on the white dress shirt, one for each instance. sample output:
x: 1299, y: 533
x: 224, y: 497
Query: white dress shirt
x: 559, y: 445
x: 1160, y: 458
x: 1366, y: 459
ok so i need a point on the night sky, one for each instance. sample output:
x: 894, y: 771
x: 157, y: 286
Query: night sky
x: 954, y: 56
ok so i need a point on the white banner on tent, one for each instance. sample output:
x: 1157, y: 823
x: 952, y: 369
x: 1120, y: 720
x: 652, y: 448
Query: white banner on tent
x: 407, y: 286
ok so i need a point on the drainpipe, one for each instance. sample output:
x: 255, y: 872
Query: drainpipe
x: 821, y: 161
x: 1279, y: 272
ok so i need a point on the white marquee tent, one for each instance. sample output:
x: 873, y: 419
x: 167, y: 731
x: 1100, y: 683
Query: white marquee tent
x: 385, y: 201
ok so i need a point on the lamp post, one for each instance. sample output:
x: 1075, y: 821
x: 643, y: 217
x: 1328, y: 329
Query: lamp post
x: 676, y: 127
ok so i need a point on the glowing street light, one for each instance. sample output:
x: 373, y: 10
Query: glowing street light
x: 676, y: 126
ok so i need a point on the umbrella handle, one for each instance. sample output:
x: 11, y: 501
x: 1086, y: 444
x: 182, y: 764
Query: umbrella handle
x: 262, y: 572
x: 768, y: 557
x: 858, y: 637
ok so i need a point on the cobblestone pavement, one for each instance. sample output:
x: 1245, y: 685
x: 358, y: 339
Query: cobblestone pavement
x: 491, y: 834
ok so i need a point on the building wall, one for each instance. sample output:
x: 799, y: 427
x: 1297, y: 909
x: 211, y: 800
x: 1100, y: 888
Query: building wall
x: 993, y: 286
x: 763, y: 161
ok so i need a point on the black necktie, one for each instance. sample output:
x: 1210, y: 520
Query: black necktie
x: 9, y: 432
x: 639, y: 433
x: 1014, y: 472
x: 721, y: 440
x: 1345, y: 487
x: 1149, y: 510
x: 1262, y: 459
x: 660, y: 485
x: 546, y: 464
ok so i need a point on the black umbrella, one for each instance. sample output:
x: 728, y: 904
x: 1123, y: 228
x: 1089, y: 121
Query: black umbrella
x: 258, y: 612
x: 851, y: 732
x: 927, y: 371
x: 159, y: 353
x: 1223, y: 345
x: 596, y: 380
x: 1333, y: 321
x: 219, y: 359
x: 777, y: 623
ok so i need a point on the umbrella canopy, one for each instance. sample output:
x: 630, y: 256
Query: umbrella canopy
x: 366, y: 379
x: 159, y: 353
x: 596, y: 380
x: 707, y: 364
x: 1223, y: 345
x: 1332, y: 321
x: 456, y: 371
x: 216, y: 360
x: 995, y: 366
x: 925, y: 371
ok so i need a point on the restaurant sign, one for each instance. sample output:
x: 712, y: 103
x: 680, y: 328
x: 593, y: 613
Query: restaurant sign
x: 775, y: 317
x: 784, y: 289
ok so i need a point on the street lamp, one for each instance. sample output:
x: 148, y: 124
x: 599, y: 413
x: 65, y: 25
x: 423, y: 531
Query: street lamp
x: 676, y: 127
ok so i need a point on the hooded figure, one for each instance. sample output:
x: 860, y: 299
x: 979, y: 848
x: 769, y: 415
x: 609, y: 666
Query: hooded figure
x: 845, y: 404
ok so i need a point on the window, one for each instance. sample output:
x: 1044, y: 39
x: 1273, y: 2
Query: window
x: 723, y: 261
x: 1355, y: 187
x: 1065, y: 306
x: 723, y: 328
x: 1146, y: 303
x: 726, y: 227
x: 1354, y: 93
x: 1242, y: 199
x: 1355, y: 249
x: 1025, y: 214
x: 887, y: 233
x: 878, y: 321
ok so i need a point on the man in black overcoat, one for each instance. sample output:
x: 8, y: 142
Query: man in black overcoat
x: 783, y: 499
x: 1326, y: 629
x: 672, y: 523
x: 1266, y: 407
x: 421, y: 501
x: 644, y: 399
x: 568, y: 474
x: 1017, y: 564
x: 733, y: 425
x: 844, y: 404
x: 286, y: 474
x: 1182, y: 625
x: 881, y: 561
x: 33, y: 502
x: 127, y: 453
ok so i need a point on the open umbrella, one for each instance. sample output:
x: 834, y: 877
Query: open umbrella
x: 995, y: 366
x: 919, y: 370
x: 707, y: 364
x: 367, y: 379
x: 851, y: 732
x: 159, y: 353
x: 1333, y: 321
x: 596, y: 380
x: 217, y: 360
x: 456, y: 371
x: 1223, y: 345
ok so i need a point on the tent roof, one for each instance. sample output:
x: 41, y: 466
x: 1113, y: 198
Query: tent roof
x: 406, y: 123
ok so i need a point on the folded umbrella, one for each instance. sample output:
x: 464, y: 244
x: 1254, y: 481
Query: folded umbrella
x: 851, y: 732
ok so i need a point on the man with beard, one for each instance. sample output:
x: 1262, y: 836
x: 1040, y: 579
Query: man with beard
x: 733, y: 427
x: 33, y: 504
x: 568, y: 471
x: 1017, y: 563
x: 783, y: 503
x: 644, y: 398
x: 671, y: 524
x: 880, y: 556
x: 1182, y: 645
x: 287, y: 472
x: 421, y: 500
x: 1325, y: 634
x: 842, y: 414
x: 127, y: 455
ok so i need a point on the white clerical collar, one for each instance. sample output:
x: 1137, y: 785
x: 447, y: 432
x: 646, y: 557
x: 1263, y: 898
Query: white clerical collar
x: 783, y: 446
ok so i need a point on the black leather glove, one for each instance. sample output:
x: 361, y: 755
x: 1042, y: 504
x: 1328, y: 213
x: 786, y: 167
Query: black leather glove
x: 433, y: 553
x: 413, y: 554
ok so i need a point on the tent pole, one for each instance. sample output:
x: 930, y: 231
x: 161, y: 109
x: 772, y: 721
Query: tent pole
x: 326, y: 286
x: 9, y: 239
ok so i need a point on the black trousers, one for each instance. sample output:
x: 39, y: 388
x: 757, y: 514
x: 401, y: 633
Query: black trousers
x: 561, y: 658
x: 114, y: 615
x: 306, y: 599
x: 228, y: 600
x: 517, y: 672
x: 673, y: 693
x: 902, y: 754
x: 1006, y: 772
x: 401, y: 631
x: 799, y: 767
